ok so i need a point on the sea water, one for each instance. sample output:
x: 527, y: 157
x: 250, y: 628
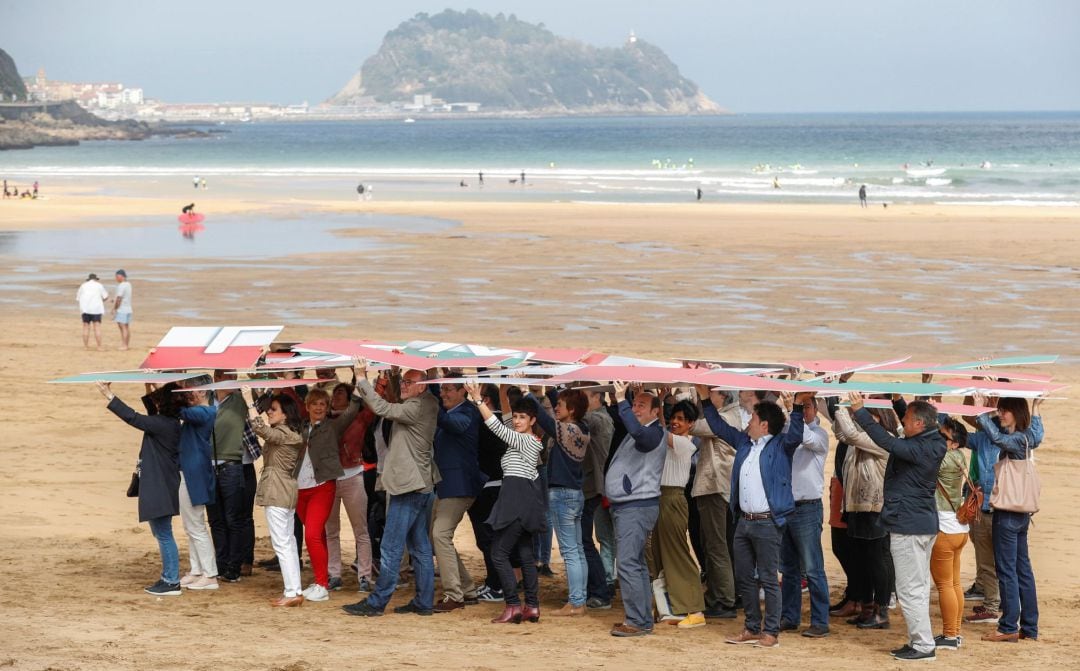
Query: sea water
x: 987, y: 159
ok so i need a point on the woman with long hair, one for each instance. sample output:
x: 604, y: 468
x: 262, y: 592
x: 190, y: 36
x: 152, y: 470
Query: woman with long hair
x: 519, y: 511
x: 280, y: 432
x: 159, y: 475
x: 1016, y: 431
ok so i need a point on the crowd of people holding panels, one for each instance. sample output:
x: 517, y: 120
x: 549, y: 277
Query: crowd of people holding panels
x: 699, y: 502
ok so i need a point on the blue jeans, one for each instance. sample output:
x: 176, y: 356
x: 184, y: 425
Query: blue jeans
x: 800, y: 552
x: 1016, y: 580
x: 632, y: 527
x: 596, y: 582
x: 564, y: 516
x: 605, y: 535
x: 161, y: 527
x: 542, y: 538
x: 407, y: 520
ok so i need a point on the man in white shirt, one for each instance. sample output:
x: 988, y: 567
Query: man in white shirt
x: 800, y: 548
x: 122, y: 308
x: 91, y: 299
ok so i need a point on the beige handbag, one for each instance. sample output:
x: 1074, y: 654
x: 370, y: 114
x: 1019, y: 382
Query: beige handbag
x: 1016, y: 484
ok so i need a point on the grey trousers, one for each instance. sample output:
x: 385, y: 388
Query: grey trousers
x: 632, y: 527
x: 911, y: 562
x: 757, y: 547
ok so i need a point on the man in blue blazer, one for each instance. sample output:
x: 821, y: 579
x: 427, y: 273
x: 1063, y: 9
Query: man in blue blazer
x: 761, y: 501
x: 457, y: 444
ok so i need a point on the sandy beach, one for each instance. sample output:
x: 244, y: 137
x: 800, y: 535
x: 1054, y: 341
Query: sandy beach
x: 940, y: 283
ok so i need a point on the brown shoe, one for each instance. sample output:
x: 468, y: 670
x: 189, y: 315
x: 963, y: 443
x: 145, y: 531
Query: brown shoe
x: 746, y: 636
x: 569, y: 611
x: 530, y: 613
x: 1001, y: 637
x: 623, y: 630
x: 847, y: 610
x: 288, y: 601
x: 767, y: 641
x: 448, y: 604
x: 245, y: 569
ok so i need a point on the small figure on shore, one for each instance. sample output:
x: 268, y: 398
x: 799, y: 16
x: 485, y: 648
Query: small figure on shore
x: 91, y: 299
x: 862, y: 196
x: 463, y: 184
x: 195, y: 181
x: 121, y: 308
x: 360, y: 191
x: 35, y: 188
x: 188, y: 209
x: 523, y: 178
x: 776, y: 182
x: 202, y: 182
x: 699, y: 194
x: 481, y: 176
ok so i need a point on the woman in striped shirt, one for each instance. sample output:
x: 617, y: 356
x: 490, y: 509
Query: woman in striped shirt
x: 519, y: 511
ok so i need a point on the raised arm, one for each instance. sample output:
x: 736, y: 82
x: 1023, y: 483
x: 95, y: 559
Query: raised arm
x: 720, y: 428
x: 646, y: 438
x: 846, y: 430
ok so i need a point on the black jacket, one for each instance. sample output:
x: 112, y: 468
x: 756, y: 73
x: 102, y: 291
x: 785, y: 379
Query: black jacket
x: 910, y: 477
x: 159, y: 461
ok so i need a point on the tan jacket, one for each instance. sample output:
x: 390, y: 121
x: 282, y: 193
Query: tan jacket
x: 715, y: 457
x: 864, y: 466
x: 281, y: 446
x: 409, y: 464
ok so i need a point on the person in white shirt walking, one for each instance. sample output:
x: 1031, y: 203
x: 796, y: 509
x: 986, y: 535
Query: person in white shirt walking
x: 91, y: 299
x: 121, y: 308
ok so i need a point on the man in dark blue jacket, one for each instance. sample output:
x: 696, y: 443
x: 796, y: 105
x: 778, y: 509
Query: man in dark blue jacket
x: 909, y: 513
x: 457, y: 444
x: 761, y: 501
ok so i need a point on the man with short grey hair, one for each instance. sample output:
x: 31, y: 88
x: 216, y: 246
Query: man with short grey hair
x: 409, y: 477
x: 910, y: 513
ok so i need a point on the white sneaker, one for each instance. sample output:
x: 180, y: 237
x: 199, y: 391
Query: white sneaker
x: 316, y: 592
x: 203, y: 583
x: 189, y: 578
x: 892, y: 602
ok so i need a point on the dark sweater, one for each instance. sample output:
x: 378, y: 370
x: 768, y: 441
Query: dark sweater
x: 910, y: 477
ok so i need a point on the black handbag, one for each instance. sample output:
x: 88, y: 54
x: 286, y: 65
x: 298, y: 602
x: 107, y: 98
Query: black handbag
x: 133, y: 486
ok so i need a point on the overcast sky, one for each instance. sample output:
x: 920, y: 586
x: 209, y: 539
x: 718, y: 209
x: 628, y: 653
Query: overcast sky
x: 756, y: 56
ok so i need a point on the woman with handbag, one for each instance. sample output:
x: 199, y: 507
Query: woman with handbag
x: 279, y: 429
x: 159, y: 475
x: 952, y: 535
x: 1014, y: 499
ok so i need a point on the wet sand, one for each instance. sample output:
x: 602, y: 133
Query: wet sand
x: 754, y: 281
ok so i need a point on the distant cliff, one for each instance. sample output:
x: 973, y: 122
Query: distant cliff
x: 24, y: 126
x: 510, y: 65
x: 11, y: 84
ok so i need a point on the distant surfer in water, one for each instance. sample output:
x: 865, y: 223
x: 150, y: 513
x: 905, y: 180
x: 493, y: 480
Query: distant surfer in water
x: 862, y: 196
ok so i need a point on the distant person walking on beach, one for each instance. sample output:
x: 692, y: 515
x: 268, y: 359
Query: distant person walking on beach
x: 122, y: 308
x: 202, y: 183
x: 91, y: 298
x: 481, y: 176
x: 776, y: 182
x: 360, y: 191
x: 35, y: 188
x: 699, y: 194
x: 862, y: 196
x: 523, y: 178
x: 195, y: 181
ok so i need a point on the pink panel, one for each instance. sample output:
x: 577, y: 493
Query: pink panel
x: 184, y: 358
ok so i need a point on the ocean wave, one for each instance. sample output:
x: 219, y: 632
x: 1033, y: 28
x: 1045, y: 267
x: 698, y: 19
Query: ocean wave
x: 936, y: 181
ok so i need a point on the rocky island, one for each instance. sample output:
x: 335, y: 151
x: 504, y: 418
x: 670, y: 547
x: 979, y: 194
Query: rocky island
x: 501, y: 64
x: 25, y: 124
